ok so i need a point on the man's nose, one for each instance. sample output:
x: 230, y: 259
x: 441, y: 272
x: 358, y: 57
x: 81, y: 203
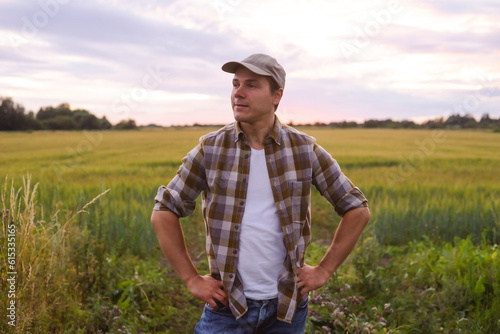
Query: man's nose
x: 239, y: 92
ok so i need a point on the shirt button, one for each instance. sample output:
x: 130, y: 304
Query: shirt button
x: 241, y: 203
x: 245, y: 179
x: 235, y: 251
x: 236, y: 227
x: 246, y: 156
x: 230, y: 275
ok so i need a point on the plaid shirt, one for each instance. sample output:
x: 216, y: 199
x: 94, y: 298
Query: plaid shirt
x: 219, y: 167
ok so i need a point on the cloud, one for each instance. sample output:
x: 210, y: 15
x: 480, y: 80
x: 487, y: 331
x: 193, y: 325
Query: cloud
x: 93, y: 53
x: 463, y: 6
x: 104, y: 41
x: 341, y: 99
x: 117, y: 35
x: 422, y: 40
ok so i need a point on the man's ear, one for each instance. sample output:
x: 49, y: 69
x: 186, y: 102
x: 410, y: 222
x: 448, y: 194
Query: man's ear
x: 278, y: 94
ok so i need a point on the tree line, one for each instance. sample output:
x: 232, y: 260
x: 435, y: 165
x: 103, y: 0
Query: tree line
x: 454, y: 121
x: 13, y: 117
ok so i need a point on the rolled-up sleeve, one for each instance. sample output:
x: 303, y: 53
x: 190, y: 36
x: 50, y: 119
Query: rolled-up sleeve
x: 333, y: 184
x: 179, y: 196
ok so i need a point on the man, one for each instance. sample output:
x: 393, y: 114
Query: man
x: 255, y: 177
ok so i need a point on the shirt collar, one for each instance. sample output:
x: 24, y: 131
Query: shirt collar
x: 273, y: 135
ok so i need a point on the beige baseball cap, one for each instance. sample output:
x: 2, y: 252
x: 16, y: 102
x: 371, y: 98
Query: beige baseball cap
x: 259, y: 63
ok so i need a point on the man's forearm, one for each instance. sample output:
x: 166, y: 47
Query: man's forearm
x: 172, y: 242
x: 348, y: 232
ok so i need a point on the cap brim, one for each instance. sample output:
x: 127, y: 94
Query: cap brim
x: 232, y: 66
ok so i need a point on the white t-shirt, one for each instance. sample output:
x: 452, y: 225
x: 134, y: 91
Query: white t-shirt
x: 262, y: 247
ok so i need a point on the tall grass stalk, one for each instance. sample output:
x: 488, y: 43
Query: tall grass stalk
x: 46, y: 296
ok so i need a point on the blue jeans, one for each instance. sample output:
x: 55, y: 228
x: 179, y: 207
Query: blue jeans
x: 260, y: 318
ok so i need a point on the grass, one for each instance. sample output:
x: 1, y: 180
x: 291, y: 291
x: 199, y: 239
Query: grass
x: 430, y: 250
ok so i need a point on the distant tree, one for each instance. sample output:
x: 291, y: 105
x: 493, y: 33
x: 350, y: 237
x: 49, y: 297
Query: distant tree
x: 45, y: 113
x: 104, y: 124
x: 435, y: 124
x: 63, y: 109
x: 349, y: 124
x: 59, y: 123
x: 153, y: 125
x: 85, y: 120
x: 408, y: 125
x: 470, y: 124
x: 343, y: 125
x: 57, y: 118
x: 373, y: 123
x: 485, y: 117
x: 12, y: 116
x: 32, y: 123
x: 126, y: 125
x: 488, y: 123
x: 459, y: 121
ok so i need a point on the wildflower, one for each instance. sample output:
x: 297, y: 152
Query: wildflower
x: 388, y: 308
x: 337, y: 313
x: 116, y: 310
x: 317, y: 299
x: 363, y: 316
x: 326, y: 329
x: 313, y: 312
x: 354, y: 300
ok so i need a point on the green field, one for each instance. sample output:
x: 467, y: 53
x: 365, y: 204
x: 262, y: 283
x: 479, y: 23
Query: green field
x: 427, y: 263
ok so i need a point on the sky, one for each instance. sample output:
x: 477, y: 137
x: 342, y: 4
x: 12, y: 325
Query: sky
x: 160, y: 61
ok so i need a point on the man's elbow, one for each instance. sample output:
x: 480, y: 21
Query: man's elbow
x: 153, y: 218
x: 156, y: 219
x: 366, y: 215
x: 162, y: 218
x: 362, y: 215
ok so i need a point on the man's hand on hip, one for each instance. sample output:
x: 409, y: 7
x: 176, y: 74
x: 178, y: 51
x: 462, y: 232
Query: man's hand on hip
x: 348, y: 232
x: 207, y: 288
x: 310, y: 278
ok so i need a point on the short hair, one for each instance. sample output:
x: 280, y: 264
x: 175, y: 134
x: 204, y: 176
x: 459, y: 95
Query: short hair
x: 273, y: 87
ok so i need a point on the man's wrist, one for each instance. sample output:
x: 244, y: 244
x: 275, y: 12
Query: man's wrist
x: 188, y: 280
x: 324, y: 272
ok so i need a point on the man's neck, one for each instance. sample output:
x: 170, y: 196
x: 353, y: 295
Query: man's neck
x: 256, y: 133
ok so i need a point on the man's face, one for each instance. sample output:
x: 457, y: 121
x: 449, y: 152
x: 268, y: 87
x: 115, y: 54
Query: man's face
x: 251, y: 97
